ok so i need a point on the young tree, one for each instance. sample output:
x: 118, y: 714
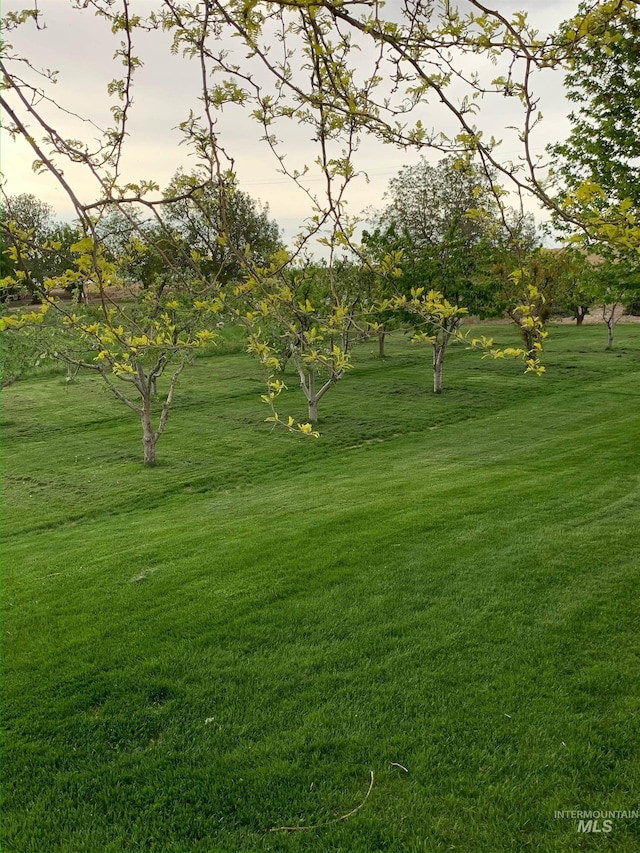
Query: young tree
x: 447, y: 222
x: 308, y: 314
x: 439, y: 321
x: 612, y: 282
x: 131, y: 339
x: 383, y: 247
x: 575, y: 288
x: 129, y: 342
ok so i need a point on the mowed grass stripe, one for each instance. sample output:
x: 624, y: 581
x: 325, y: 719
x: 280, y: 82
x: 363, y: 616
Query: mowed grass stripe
x: 237, y: 654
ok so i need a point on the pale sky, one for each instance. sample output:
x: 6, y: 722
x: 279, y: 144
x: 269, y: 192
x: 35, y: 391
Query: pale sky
x: 81, y: 48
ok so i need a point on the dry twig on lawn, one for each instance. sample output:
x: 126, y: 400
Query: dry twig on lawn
x: 329, y: 822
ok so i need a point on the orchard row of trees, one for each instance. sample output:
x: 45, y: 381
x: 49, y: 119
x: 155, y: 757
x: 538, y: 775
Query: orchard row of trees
x: 442, y: 223
x: 456, y: 252
x: 447, y: 243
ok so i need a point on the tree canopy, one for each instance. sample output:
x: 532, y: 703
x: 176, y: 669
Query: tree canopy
x: 222, y: 233
x: 34, y: 245
x: 603, y: 82
x: 596, y: 172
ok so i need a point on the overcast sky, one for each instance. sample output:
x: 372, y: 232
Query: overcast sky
x: 81, y: 48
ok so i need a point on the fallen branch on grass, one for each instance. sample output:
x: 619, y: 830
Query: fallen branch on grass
x: 329, y: 822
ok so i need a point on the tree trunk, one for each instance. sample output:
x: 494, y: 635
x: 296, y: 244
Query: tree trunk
x: 149, y: 437
x: 312, y: 399
x: 610, y: 325
x: 382, y: 333
x: 527, y: 334
x: 438, y: 361
x: 610, y: 319
x: 308, y: 385
x: 580, y: 313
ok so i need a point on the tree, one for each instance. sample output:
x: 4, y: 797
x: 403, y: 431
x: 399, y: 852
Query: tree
x: 612, y: 282
x: 603, y: 146
x: 35, y: 245
x: 130, y: 343
x: 431, y: 202
x: 26, y: 219
x: 597, y: 172
x: 29, y: 346
x: 440, y: 323
x: 144, y: 250
x: 380, y: 246
x: 221, y: 236
x: 447, y: 221
x: 386, y: 76
x: 449, y: 218
x: 575, y: 286
x: 309, y: 314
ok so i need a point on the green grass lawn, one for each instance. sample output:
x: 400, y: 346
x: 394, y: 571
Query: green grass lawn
x: 441, y: 591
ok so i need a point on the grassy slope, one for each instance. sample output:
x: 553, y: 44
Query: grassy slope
x: 232, y: 641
